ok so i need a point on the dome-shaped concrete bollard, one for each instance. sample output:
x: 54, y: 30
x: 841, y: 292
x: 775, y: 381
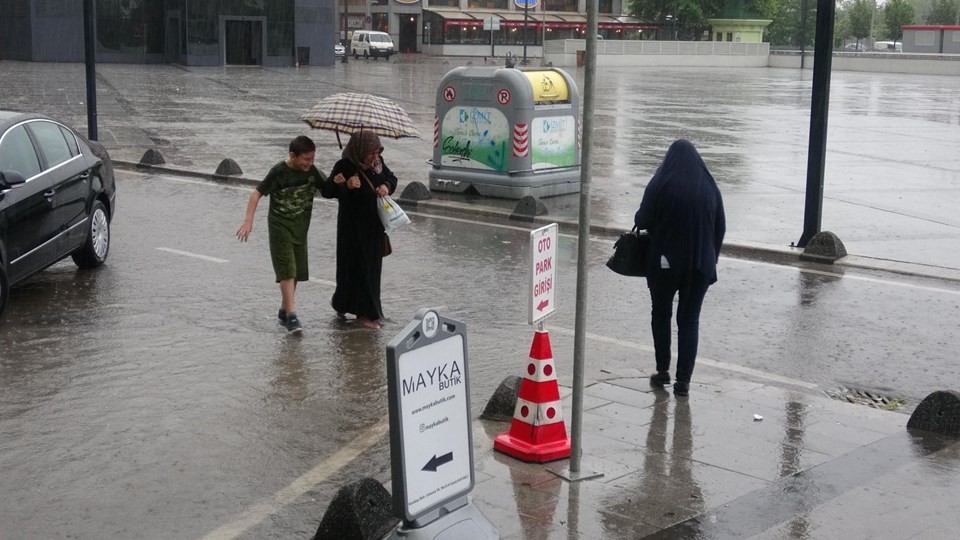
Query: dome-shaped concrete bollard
x: 415, y: 191
x: 359, y: 511
x: 228, y: 167
x: 527, y: 208
x: 152, y: 157
x: 938, y: 413
x: 503, y: 401
x: 824, y: 247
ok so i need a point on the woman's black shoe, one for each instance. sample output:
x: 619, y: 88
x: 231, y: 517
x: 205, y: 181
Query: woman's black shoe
x: 681, y: 389
x: 661, y: 379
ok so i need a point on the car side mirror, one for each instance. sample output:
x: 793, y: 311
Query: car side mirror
x: 8, y: 179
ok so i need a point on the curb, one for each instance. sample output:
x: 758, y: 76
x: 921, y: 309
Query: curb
x: 741, y: 250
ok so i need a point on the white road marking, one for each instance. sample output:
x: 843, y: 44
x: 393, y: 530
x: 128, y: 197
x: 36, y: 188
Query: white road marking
x: 700, y: 360
x: 325, y: 469
x: 595, y: 239
x: 194, y: 255
x: 847, y: 276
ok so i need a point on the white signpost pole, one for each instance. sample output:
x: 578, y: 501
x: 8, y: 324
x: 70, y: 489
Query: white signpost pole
x: 542, y: 298
x: 431, y: 436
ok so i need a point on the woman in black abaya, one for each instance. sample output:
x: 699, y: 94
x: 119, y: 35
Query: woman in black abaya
x: 357, y: 180
x: 683, y: 211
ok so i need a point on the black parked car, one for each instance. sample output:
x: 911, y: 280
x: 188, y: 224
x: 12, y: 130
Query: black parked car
x: 57, y: 197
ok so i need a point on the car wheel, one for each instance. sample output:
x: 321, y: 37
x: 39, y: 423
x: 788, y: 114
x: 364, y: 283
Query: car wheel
x: 95, y: 249
x: 4, y: 291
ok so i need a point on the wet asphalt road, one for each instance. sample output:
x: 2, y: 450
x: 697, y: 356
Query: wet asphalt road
x: 892, y: 179
x: 158, y: 398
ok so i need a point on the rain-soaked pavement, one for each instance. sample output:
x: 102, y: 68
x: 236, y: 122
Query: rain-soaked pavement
x: 157, y: 398
x: 892, y: 179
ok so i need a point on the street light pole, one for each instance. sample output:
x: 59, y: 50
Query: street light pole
x: 346, y: 46
x: 803, y: 33
x: 526, y: 16
x: 90, y: 61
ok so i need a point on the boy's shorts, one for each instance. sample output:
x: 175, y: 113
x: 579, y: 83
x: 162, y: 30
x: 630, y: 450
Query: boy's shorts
x: 289, y: 259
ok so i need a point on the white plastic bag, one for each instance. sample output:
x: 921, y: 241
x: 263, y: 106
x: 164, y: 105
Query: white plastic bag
x: 391, y: 215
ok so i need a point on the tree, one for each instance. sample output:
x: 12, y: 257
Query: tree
x: 896, y: 14
x: 692, y: 15
x: 942, y: 12
x: 786, y: 28
x: 841, y: 25
x: 859, y: 17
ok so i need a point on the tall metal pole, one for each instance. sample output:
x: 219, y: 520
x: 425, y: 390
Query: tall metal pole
x: 90, y: 59
x: 526, y: 16
x: 803, y: 33
x: 583, y: 238
x: 346, y: 43
x: 819, y: 107
x: 543, y: 34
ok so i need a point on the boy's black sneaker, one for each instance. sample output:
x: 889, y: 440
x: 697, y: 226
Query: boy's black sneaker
x: 661, y: 379
x: 681, y: 389
x: 292, y: 324
x: 282, y: 315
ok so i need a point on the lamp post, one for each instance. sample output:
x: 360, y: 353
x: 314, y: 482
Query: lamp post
x: 346, y: 46
x: 526, y: 16
x: 90, y: 62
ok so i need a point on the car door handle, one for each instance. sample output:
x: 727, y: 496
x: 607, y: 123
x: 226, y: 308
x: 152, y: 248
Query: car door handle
x: 49, y: 194
x: 84, y: 175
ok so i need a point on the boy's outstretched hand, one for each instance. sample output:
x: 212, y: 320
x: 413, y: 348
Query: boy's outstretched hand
x: 244, y: 231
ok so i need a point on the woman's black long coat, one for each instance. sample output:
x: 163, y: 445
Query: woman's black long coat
x: 359, y: 240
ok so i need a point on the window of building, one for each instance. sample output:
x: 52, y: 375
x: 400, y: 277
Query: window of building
x: 488, y: 4
x: 729, y: 36
x: 719, y: 36
x: 956, y: 36
x: 279, y: 38
x: 605, y: 6
x: 561, y: 5
x: 380, y: 22
x: 132, y: 26
x: 925, y: 38
x: 444, y: 3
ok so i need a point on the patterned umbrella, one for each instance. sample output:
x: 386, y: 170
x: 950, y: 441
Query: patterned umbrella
x: 352, y: 113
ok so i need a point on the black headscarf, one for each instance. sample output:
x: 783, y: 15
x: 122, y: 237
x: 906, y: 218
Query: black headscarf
x: 683, y: 211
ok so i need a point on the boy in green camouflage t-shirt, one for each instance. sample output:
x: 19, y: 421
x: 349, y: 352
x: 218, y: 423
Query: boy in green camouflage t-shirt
x: 291, y: 185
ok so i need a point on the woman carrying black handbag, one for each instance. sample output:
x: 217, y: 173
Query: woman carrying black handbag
x: 683, y: 212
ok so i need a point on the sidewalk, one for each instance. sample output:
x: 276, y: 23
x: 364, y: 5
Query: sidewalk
x: 704, y: 467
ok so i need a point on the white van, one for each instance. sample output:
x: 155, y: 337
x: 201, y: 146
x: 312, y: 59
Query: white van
x: 888, y: 46
x: 367, y: 43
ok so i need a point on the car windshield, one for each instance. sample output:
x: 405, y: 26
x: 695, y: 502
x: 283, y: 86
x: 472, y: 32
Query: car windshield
x: 379, y: 39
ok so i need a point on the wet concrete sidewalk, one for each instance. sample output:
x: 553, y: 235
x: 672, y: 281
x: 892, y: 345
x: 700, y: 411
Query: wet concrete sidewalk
x: 704, y: 467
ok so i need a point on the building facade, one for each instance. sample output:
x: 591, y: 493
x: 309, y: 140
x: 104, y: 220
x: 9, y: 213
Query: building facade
x: 937, y: 39
x: 189, y: 32
x: 287, y: 32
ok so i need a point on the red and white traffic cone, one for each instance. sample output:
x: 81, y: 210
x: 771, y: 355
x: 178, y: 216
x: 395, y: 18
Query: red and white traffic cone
x: 537, y: 433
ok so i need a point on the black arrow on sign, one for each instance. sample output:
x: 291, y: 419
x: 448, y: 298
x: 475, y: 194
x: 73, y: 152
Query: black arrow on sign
x: 437, y: 461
